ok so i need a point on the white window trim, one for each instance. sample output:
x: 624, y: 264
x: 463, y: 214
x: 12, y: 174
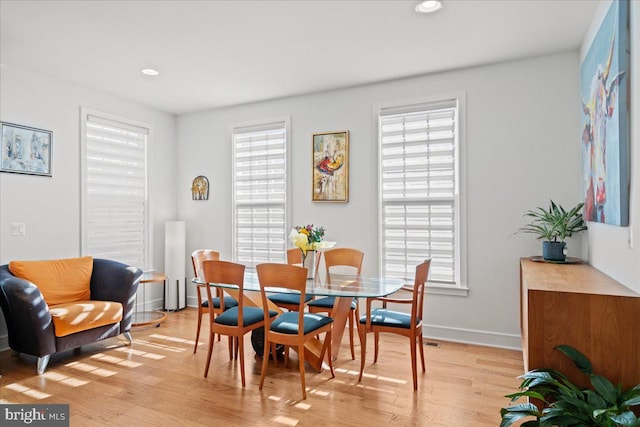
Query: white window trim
x: 84, y: 112
x: 287, y: 142
x: 461, y: 289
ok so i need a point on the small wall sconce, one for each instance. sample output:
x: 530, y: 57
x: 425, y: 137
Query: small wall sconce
x: 200, y: 188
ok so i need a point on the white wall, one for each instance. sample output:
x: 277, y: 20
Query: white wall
x: 50, y: 207
x: 521, y: 149
x: 609, y: 247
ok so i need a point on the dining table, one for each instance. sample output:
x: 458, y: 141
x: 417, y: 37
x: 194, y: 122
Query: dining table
x: 344, y: 287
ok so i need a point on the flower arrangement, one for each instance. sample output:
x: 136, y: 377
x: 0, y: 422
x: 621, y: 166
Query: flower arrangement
x: 309, y: 238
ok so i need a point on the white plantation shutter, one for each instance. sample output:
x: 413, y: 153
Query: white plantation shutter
x: 260, y: 193
x: 419, y: 212
x: 115, y: 190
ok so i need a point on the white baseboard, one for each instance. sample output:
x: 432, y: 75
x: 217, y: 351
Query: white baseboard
x: 472, y: 336
x: 192, y: 301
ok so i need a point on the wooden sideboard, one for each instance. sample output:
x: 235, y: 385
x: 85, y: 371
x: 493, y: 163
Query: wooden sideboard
x: 578, y: 305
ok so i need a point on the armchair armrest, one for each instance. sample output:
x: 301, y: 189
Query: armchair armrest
x: 27, y: 315
x: 114, y: 281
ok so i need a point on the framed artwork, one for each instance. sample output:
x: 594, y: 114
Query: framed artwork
x: 26, y: 150
x: 604, y: 89
x: 331, y: 167
x: 200, y: 188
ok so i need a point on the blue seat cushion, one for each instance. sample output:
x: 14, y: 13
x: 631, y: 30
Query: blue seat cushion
x: 250, y: 315
x: 287, y: 323
x: 228, y: 303
x: 288, y: 298
x: 327, y: 302
x: 384, y: 317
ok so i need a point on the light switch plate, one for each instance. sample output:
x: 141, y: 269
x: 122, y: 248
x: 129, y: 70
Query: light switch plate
x: 17, y: 229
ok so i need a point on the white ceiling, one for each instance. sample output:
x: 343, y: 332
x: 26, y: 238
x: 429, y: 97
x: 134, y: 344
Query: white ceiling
x: 219, y: 53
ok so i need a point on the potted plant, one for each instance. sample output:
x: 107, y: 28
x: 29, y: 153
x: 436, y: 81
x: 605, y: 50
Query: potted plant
x: 554, y: 224
x: 565, y: 404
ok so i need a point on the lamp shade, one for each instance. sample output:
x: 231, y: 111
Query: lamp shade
x: 174, y: 265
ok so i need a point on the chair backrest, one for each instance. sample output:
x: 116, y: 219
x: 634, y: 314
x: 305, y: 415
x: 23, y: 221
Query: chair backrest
x: 422, y: 273
x: 294, y: 256
x: 228, y: 273
x: 343, y: 257
x: 272, y: 275
x: 199, y: 256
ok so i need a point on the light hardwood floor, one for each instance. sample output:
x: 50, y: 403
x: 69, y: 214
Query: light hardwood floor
x: 159, y: 382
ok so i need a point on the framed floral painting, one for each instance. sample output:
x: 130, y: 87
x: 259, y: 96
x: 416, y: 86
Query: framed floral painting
x: 331, y: 167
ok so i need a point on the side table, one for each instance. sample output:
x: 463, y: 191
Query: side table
x: 145, y: 318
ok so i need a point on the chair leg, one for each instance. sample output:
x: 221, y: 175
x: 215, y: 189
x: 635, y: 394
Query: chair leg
x: 352, y: 319
x: 265, y: 360
x: 363, y: 348
x: 375, y: 351
x: 195, y: 347
x: 414, y: 362
x: 241, y: 351
x: 421, y: 347
x: 286, y: 356
x: 231, y: 345
x: 328, y: 352
x: 301, y: 365
x: 42, y: 364
x: 236, y: 340
x: 274, y: 354
x: 212, y: 339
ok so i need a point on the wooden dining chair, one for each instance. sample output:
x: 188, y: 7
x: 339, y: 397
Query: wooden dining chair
x: 292, y: 328
x: 289, y: 301
x: 197, y: 258
x: 396, y: 322
x: 235, y: 321
x: 333, y: 258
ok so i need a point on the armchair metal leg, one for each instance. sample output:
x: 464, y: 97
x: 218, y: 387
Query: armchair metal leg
x: 42, y: 363
x: 127, y: 336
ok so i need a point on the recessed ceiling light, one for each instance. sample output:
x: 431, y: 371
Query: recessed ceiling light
x: 428, y: 6
x: 149, y: 72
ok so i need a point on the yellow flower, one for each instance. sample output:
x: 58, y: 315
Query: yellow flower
x: 301, y: 240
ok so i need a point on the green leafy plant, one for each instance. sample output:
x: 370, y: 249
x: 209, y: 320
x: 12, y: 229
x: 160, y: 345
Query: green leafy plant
x: 555, y: 223
x: 565, y: 404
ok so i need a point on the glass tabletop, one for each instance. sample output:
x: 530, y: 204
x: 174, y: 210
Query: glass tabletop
x: 339, y: 285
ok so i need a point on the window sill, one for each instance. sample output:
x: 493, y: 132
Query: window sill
x: 446, y: 290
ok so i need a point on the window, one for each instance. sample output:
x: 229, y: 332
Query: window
x: 419, y: 191
x: 114, y: 189
x: 260, y: 192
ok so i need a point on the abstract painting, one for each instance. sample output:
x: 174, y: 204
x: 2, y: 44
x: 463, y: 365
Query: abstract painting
x: 331, y: 167
x: 605, y: 96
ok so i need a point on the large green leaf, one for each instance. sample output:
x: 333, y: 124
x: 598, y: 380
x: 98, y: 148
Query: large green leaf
x: 578, y: 359
x: 626, y: 418
x: 632, y: 401
x: 632, y: 396
x: 527, y: 393
x: 514, y: 413
x: 604, y: 388
x: 595, y: 400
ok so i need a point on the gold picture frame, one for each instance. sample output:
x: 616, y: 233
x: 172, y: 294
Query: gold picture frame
x: 330, y: 157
